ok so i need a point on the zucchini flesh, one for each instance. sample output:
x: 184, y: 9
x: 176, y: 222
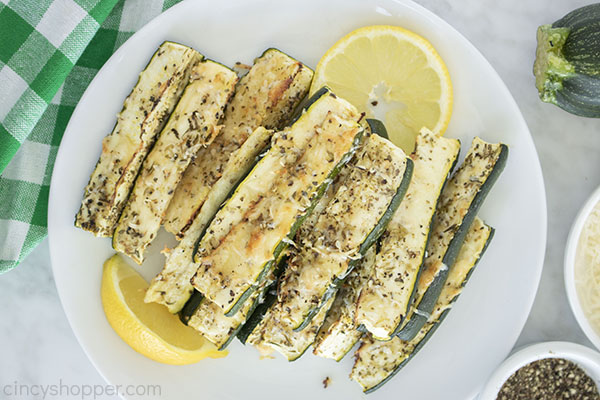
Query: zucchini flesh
x: 459, y: 203
x: 145, y: 112
x: 362, y: 206
x: 172, y: 287
x: 265, y: 96
x: 238, y: 252
x: 385, y: 300
x: 192, y: 125
x: 338, y: 334
x: 378, y: 361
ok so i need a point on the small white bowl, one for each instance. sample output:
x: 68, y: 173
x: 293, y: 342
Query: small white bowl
x: 569, y: 265
x: 584, y: 357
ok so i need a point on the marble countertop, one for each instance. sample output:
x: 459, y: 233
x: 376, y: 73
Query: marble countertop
x: 38, y: 346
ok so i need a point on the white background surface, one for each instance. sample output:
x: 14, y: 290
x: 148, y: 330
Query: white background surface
x: 38, y: 347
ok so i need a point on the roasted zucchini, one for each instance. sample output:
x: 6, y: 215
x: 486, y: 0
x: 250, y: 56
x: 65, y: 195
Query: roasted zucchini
x: 257, y: 321
x: 143, y: 116
x: 378, y: 361
x: 459, y: 203
x: 359, y: 213
x: 385, y: 299
x: 265, y: 96
x: 239, y: 249
x: 210, y: 320
x: 277, y: 334
x: 172, y: 286
x: 193, y: 125
x: 338, y: 334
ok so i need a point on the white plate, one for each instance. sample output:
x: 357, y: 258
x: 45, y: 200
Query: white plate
x: 488, y: 317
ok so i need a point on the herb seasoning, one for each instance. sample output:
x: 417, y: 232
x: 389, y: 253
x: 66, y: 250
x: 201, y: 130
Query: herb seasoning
x: 549, y: 379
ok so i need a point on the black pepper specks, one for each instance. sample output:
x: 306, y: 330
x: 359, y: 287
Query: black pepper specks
x: 549, y: 379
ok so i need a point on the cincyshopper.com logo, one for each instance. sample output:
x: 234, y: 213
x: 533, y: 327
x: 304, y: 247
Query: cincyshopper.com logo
x: 65, y: 391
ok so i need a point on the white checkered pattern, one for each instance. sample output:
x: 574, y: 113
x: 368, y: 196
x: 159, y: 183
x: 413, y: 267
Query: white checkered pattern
x: 12, y: 237
x: 29, y: 164
x: 137, y: 12
x: 59, y: 20
x: 13, y: 86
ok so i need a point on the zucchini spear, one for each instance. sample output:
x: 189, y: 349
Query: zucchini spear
x: 143, y: 116
x: 378, y: 361
x: 459, y: 203
x: 359, y: 213
x: 193, y: 125
x: 385, y: 299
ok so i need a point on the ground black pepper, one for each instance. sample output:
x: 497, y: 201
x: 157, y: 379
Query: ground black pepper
x: 549, y: 379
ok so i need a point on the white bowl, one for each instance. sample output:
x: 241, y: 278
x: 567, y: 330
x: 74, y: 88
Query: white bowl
x: 584, y: 357
x: 570, y: 253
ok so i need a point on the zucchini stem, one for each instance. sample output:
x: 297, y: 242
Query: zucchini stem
x: 551, y: 68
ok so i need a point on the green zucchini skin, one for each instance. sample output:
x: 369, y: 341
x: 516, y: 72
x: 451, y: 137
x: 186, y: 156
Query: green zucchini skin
x: 189, y: 308
x: 370, y: 240
x: 377, y: 127
x: 307, y: 102
x: 239, y: 328
x: 262, y: 303
x: 257, y: 316
x: 567, y: 66
x: 434, y: 327
x: 427, y: 303
x: 414, y: 291
x: 280, y: 248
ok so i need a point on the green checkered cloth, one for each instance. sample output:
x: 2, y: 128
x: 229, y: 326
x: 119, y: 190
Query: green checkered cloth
x: 49, y: 52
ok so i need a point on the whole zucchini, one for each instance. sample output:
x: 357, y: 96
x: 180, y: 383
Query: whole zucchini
x: 567, y: 64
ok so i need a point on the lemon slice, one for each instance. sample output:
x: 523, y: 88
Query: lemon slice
x: 148, y: 328
x: 393, y: 75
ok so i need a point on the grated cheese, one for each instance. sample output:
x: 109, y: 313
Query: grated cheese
x: 587, y: 268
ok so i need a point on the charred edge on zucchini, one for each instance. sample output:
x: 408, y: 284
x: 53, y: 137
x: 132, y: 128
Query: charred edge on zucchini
x: 222, y: 329
x: 371, y: 238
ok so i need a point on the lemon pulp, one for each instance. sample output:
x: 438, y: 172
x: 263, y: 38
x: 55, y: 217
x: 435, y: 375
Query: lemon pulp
x: 391, y: 74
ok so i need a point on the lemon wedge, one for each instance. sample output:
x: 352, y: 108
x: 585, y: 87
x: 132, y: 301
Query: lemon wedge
x: 148, y: 328
x: 391, y: 74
